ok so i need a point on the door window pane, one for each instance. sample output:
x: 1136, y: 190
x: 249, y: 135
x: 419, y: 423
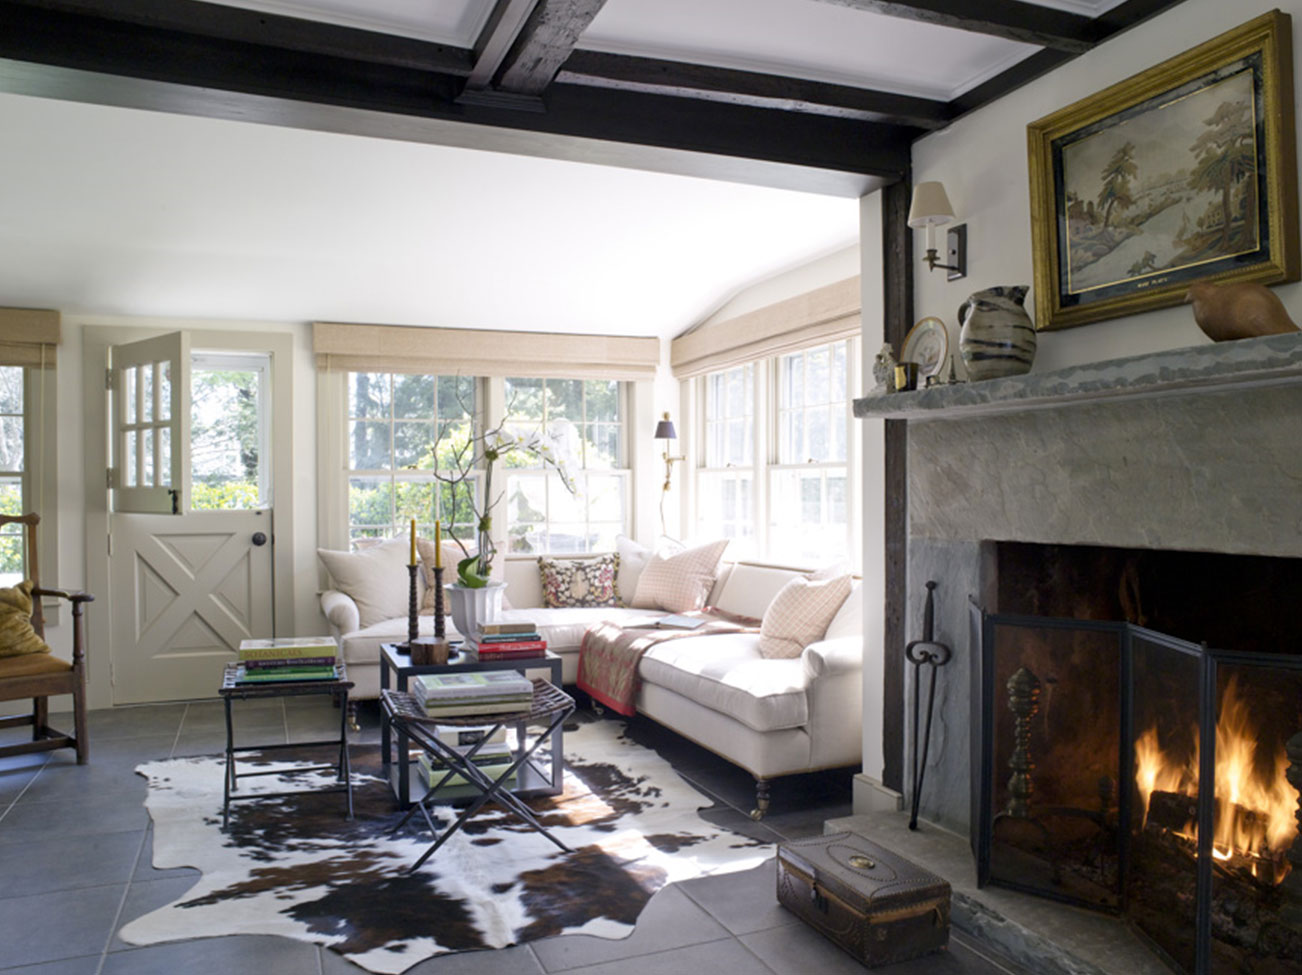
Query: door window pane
x: 228, y: 432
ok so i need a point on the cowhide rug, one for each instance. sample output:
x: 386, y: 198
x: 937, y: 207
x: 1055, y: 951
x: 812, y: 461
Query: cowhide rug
x: 296, y: 867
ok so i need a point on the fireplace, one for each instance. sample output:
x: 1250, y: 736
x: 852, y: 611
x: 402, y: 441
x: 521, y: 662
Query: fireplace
x: 1129, y: 769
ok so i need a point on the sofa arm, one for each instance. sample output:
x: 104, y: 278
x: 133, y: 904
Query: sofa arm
x: 341, y: 611
x: 826, y: 658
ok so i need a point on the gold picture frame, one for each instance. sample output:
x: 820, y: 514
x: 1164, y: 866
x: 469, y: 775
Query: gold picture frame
x: 1186, y: 172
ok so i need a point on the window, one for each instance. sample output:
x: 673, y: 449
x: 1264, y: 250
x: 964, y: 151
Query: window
x: 228, y: 432
x: 400, y: 429
x: 725, y: 484
x: 13, y: 452
x: 780, y: 484
x: 588, y: 416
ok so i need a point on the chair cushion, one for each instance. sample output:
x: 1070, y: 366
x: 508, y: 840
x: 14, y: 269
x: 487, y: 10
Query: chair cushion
x: 799, y: 615
x: 681, y: 582
x: 579, y: 582
x: 375, y: 578
x: 17, y: 638
x: 725, y: 672
x: 32, y: 665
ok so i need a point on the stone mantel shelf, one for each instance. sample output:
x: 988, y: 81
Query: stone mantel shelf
x: 1268, y: 361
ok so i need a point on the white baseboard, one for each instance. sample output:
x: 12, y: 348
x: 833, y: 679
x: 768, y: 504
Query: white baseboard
x: 871, y: 796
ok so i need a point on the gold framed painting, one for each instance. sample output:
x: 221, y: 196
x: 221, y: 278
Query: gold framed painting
x: 1186, y: 172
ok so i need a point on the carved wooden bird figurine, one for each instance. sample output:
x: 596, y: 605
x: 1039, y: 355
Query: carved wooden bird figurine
x: 1238, y: 311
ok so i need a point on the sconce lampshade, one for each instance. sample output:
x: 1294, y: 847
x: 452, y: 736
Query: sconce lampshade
x: 931, y: 207
x: 665, y: 430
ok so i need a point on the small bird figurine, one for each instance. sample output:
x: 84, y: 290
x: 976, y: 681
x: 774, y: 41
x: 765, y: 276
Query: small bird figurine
x: 884, y: 369
x: 1238, y: 311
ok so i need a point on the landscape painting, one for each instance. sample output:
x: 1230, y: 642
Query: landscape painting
x: 1184, y: 173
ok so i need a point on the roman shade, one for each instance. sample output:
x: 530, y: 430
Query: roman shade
x: 479, y: 352
x: 28, y: 337
x: 823, y: 315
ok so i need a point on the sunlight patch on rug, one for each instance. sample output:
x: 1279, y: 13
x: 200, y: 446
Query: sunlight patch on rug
x: 295, y: 867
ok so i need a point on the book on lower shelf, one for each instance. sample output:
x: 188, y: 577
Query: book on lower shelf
x: 427, y: 688
x: 432, y: 772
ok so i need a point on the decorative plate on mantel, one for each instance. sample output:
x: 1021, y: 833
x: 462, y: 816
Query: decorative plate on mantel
x: 927, y: 344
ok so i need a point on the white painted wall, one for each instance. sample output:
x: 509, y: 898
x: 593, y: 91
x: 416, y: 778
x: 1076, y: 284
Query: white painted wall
x: 828, y: 269
x: 982, y: 160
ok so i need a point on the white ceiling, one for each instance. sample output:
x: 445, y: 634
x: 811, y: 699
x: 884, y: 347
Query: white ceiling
x: 120, y: 211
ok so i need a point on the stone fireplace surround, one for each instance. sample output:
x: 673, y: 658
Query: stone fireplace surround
x: 1195, y: 449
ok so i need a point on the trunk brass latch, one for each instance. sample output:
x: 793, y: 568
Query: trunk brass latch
x: 862, y: 862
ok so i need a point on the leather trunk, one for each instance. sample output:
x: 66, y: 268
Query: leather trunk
x: 876, y: 905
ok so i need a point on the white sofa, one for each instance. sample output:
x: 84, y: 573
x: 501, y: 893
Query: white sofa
x: 772, y: 717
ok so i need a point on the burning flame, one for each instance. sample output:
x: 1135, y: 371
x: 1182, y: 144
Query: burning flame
x: 1255, y: 814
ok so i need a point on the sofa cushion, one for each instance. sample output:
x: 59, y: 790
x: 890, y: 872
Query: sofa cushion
x: 633, y: 558
x: 848, y: 620
x: 750, y: 588
x: 376, y: 578
x: 679, y: 583
x: 799, y: 615
x: 725, y: 672
x: 579, y: 582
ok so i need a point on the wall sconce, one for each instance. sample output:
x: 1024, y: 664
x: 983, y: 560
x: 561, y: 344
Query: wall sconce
x: 665, y: 431
x: 930, y: 209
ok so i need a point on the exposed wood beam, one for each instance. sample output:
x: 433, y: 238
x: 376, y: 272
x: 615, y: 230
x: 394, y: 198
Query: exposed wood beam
x: 548, y: 38
x: 80, y: 57
x: 1010, y: 19
x: 495, y: 40
x: 682, y: 80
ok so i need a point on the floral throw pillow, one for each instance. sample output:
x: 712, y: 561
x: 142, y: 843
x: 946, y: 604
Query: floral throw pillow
x: 579, y: 582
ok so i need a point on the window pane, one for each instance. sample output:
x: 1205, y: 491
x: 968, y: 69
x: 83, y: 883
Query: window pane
x: 602, y: 400
x: 129, y: 390
x: 129, y: 459
x: 11, y: 389
x: 368, y: 394
x: 370, y: 507
x: 413, y: 444
x: 11, y: 443
x: 165, y: 390
x: 11, y: 537
x: 819, y: 447
x: 413, y: 397
x: 415, y: 499
x: 838, y: 372
x: 456, y: 397
x: 148, y: 451
x: 165, y: 459
x: 226, y: 462
x: 564, y: 399
x: 147, y: 392
x: 368, y: 446
x: 524, y: 399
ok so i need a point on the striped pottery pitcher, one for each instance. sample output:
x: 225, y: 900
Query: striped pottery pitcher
x: 997, y: 337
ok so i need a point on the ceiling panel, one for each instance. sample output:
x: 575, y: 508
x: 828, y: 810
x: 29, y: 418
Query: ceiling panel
x: 455, y: 22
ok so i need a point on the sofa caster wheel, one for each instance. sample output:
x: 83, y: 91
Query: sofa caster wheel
x: 761, y: 800
x: 352, y: 717
x: 757, y: 814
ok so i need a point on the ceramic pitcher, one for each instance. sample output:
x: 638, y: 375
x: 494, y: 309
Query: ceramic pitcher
x: 997, y: 337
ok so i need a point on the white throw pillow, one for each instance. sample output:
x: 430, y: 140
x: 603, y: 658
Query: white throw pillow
x: 633, y: 558
x: 375, y: 578
x: 681, y: 582
x: 452, y: 554
x: 799, y: 615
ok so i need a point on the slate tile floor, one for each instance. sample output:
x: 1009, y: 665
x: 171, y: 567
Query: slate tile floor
x: 76, y: 848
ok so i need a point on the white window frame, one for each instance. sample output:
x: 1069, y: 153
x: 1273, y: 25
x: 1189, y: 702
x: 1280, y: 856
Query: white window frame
x: 39, y: 477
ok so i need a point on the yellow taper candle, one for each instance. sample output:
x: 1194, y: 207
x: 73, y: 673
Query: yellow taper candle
x: 438, y: 545
x: 413, y: 542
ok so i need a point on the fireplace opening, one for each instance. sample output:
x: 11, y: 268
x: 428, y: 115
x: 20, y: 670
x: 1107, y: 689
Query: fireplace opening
x: 1130, y: 770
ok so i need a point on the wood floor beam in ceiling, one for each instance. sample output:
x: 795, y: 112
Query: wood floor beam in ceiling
x: 1009, y: 19
x: 548, y: 38
x: 58, y: 54
x: 682, y: 80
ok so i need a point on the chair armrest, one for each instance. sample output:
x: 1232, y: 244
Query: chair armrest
x: 341, y: 611
x: 73, y: 596
x: 829, y: 657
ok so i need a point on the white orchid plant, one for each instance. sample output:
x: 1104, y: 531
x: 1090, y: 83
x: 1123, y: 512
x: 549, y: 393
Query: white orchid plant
x: 552, y: 449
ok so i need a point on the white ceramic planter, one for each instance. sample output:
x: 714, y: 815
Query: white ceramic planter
x: 472, y: 607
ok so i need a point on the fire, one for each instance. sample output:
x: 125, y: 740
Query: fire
x: 1255, y: 814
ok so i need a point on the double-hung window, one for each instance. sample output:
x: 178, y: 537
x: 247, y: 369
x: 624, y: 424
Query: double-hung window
x: 401, y: 428
x: 726, y: 480
x: 586, y: 416
x: 13, y: 465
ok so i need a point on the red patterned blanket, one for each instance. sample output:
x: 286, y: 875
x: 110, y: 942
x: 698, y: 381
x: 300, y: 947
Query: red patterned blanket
x: 610, y: 653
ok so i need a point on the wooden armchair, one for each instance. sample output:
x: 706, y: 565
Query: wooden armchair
x: 40, y: 675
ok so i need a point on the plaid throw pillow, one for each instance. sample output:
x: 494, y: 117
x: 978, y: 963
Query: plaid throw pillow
x: 679, y: 583
x: 579, y: 582
x: 799, y: 614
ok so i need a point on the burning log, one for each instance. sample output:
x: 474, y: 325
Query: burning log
x: 1291, y: 911
x: 1173, y: 812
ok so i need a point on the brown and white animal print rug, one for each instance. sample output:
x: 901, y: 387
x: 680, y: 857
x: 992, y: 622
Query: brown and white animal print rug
x: 296, y: 867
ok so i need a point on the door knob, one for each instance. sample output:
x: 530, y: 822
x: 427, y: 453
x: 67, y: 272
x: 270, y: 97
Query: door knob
x: 259, y: 538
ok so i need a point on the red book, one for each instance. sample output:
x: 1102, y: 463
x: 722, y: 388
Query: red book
x: 492, y: 648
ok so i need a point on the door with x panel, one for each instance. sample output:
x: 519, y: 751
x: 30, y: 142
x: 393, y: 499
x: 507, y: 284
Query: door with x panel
x: 186, y: 584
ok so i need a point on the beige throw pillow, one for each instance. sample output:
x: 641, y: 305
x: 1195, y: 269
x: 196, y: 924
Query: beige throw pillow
x: 376, y: 578
x: 452, y: 554
x: 679, y: 583
x: 799, y: 614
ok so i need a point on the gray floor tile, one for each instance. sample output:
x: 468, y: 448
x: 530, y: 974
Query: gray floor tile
x: 128, y: 752
x: 217, y: 956
x: 86, y: 965
x: 129, y: 722
x: 726, y: 956
x: 518, y: 960
x: 670, y: 920
x: 28, y: 935
x: 150, y: 895
x: 111, y: 813
x: 62, y: 779
x: 66, y: 862
x: 16, y: 776
x: 743, y: 902
x: 799, y: 949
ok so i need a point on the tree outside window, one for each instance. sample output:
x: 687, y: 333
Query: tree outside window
x: 13, y: 453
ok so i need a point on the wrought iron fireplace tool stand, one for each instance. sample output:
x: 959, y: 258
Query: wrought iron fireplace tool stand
x: 924, y: 653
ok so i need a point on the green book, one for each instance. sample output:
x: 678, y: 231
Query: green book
x: 286, y: 674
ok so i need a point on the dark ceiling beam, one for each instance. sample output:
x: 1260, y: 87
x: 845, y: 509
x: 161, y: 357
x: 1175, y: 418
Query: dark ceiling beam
x: 504, y: 24
x: 1009, y: 19
x: 76, y: 56
x: 681, y: 80
x: 251, y: 27
x: 548, y: 38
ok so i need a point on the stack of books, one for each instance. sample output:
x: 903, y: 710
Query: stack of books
x: 493, y: 758
x: 288, y: 659
x: 506, y: 641
x: 459, y: 695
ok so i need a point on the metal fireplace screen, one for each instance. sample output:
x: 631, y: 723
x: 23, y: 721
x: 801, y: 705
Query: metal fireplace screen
x: 1130, y: 771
